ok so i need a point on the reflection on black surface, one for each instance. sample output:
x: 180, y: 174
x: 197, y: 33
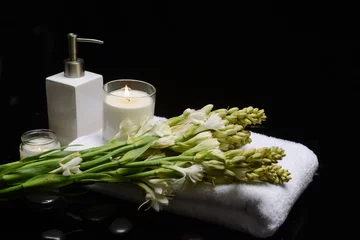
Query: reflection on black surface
x: 98, y: 216
x: 265, y: 55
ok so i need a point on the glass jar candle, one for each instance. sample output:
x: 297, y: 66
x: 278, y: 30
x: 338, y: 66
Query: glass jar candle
x: 36, y: 141
x: 126, y: 98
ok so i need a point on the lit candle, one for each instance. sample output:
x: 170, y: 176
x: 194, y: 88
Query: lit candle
x: 36, y: 141
x: 125, y: 103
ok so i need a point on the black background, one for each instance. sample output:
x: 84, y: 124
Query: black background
x: 297, y: 60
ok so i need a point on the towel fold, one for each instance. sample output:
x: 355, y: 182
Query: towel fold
x: 257, y: 209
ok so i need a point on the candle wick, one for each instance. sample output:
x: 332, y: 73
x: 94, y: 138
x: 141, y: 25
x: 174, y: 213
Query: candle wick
x: 128, y: 99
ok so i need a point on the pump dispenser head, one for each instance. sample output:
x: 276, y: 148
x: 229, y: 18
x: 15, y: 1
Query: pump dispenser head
x: 74, y: 66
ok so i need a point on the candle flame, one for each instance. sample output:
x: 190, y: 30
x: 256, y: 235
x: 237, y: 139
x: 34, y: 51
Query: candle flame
x: 127, y: 93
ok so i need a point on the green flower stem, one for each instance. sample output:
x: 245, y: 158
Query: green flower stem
x: 178, y: 119
x: 98, y: 177
x: 42, y: 163
x: 10, y: 190
x: 98, y: 150
x: 133, y: 152
x: 103, y: 167
x: 175, y: 120
x: 105, y: 158
x: 12, y: 167
x: 12, y: 177
x: 145, y: 187
x: 40, y: 183
x: 151, y: 173
x: 127, y: 171
x: 189, y: 133
x: 143, y: 141
x: 30, y: 170
x: 4, y: 166
x: 30, y: 164
x: 158, y: 162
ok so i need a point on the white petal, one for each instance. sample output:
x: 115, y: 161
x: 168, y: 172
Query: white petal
x: 156, y: 206
x: 73, y: 162
x: 164, y: 142
x: 58, y: 170
x: 67, y: 172
x: 198, y: 117
x: 162, y: 129
x: 158, y: 190
x: 214, y: 122
x: 188, y: 110
x: 76, y: 170
x: 147, y: 125
x: 127, y: 127
x: 162, y: 199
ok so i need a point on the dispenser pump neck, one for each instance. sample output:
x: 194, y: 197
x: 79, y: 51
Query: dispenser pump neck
x: 74, y: 66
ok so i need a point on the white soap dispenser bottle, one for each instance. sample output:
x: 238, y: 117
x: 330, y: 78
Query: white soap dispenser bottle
x: 74, y: 97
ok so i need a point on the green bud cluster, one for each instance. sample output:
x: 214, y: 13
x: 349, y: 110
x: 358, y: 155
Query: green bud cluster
x: 244, y: 158
x: 244, y: 117
x: 274, y: 174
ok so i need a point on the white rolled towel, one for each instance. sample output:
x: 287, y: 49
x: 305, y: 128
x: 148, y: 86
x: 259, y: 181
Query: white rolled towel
x: 257, y: 209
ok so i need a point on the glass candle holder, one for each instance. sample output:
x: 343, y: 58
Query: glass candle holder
x: 126, y: 98
x: 36, y: 141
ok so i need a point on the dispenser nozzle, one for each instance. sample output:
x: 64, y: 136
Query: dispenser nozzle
x: 74, y: 66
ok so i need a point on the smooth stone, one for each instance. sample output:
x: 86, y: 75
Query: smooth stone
x: 74, y: 217
x: 192, y: 236
x: 41, y: 198
x: 72, y: 221
x: 98, y: 213
x: 53, y: 234
x: 74, y: 194
x: 120, y: 226
x: 78, y: 235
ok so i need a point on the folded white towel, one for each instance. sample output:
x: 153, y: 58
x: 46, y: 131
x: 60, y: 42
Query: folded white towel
x: 255, y: 209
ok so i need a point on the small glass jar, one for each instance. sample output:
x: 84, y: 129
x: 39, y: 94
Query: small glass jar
x: 36, y: 141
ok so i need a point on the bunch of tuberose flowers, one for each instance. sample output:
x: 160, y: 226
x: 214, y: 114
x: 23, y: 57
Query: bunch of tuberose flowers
x: 159, y: 156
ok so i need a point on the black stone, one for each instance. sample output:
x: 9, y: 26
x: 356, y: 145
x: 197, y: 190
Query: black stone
x: 43, y: 201
x: 42, y: 198
x: 98, y: 213
x: 120, y: 226
x: 79, y: 235
x: 73, y: 217
x: 74, y: 194
x: 53, y: 234
x: 72, y: 221
x: 192, y: 236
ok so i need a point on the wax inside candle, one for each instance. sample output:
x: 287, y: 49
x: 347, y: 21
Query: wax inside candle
x: 135, y: 99
x: 119, y: 105
x: 37, y: 145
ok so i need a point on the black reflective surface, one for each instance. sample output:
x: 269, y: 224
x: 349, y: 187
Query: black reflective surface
x: 97, y: 216
x: 288, y: 59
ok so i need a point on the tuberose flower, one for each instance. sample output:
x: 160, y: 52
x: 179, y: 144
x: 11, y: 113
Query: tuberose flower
x: 194, y: 173
x: 126, y: 128
x: 206, y: 145
x: 164, y: 142
x: 158, y: 201
x: 160, y: 185
x: 69, y: 168
x: 146, y: 124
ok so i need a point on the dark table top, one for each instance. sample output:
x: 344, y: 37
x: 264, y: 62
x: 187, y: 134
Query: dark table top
x: 88, y: 215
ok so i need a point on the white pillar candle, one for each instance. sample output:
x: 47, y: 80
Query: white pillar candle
x: 125, y: 103
x: 37, y: 145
